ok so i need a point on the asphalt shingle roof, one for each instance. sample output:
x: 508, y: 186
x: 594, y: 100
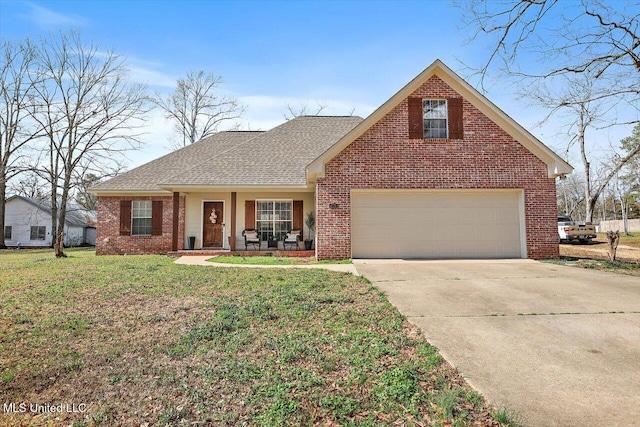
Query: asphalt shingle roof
x: 147, y: 176
x: 274, y: 158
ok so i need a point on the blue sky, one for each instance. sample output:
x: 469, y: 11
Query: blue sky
x: 351, y: 55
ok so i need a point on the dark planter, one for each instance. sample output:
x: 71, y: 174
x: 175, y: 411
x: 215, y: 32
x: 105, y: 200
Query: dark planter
x: 192, y: 242
x: 308, y: 244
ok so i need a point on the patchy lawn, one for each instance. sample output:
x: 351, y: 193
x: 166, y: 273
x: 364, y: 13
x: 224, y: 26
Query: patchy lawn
x: 271, y: 260
x: 628, y: 249
x: 595, y: 255
x: 621, y: 267
x: 142, y: 341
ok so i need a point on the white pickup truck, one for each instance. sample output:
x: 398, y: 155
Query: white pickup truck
x: 570, y: 230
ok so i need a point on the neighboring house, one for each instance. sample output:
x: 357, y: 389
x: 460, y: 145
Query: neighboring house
x: 28, y: 224
x: 437, y: 171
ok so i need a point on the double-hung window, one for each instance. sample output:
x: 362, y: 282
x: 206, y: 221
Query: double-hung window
x: 274, y: 218
x: 435, y: 119
x: 38, y: 232
x: 434, y: 115
x: 141, y: 218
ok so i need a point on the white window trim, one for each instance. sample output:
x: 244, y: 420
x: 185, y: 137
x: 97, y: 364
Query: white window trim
x: 274, y: 202
x: 141, y: 217
x: 446, y: 118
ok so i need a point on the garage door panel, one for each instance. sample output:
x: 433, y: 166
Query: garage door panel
x: 435, y: 225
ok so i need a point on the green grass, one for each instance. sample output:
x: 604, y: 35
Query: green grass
x: 620, y: 267
x: 508, y: 418
x: 272, y: 260
x: 139, y: 339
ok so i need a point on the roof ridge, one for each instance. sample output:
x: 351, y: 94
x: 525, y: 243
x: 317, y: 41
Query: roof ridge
x: 339, y: 116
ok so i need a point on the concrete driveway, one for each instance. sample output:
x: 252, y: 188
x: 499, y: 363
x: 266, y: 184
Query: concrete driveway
x: 559, y: 345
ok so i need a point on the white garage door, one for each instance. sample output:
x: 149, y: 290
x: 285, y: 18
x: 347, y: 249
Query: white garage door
x: 451, y: 224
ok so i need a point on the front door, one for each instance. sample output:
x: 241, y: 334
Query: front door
x: 212, y: 224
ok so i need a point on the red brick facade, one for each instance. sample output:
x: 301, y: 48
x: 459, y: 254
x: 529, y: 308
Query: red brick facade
x: 384, y: 158
x: 110, y: 242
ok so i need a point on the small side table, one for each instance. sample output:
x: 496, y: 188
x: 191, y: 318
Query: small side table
x: 272, y: 243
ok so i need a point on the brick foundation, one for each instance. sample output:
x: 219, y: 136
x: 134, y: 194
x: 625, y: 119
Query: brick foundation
x: 385, y: 158
x: 110, y: 242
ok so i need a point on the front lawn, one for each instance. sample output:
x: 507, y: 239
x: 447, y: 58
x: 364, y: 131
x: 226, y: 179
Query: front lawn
x: 140, y: 340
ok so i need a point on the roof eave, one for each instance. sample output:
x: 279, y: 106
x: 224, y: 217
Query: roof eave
x: 233, y: 187
x: 115, y: 192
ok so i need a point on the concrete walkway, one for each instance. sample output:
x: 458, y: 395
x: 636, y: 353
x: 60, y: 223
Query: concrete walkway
x: 560, y: 345
x: 202, y: 260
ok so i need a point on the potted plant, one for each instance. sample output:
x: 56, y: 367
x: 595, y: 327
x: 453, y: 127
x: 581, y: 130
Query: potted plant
x: 310, y: 222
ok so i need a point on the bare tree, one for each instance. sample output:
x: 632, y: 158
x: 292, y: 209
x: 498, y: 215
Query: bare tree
x: 628, y: 182
x: 196, y: 108
x: 570, y: 193
x: 16, y: 99
x: 83, y: 197
x: 90, y: 113
x: 586, y: 102
x: 302, y: 109
x: 28, y: 185
x: 591, y: 36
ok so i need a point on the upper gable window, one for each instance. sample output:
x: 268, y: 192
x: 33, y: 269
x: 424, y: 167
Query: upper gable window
x: 434, y: 116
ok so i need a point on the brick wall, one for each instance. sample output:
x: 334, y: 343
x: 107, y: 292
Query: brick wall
x: 110, y: 242
x: 384, y: 157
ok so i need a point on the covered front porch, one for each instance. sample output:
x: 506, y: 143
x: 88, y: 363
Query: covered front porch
x: 214, y: 220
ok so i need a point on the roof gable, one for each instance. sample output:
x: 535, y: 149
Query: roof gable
x: 555, y: 164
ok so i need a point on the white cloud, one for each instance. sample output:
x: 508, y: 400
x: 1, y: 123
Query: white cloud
x: 140, y: 74
x: 46, y: 18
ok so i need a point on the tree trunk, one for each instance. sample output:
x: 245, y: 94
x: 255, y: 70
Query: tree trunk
x: 54, y: 215
x: 59, y: 239
x: 3, y: 190
x: 591, y: 205
x: 624, y: 208
x: 613, y: 237
x: 589, y: 200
